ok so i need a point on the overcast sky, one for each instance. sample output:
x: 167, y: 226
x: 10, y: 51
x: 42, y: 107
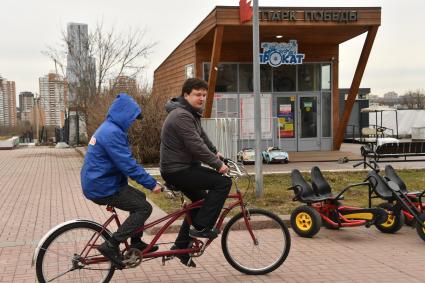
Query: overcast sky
x: 397, y: 61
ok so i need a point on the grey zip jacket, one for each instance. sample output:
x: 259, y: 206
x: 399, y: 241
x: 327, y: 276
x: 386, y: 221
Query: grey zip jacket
x: 183, y: 141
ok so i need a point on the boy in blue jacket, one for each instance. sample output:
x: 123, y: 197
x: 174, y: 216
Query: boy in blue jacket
x: 107, y: 165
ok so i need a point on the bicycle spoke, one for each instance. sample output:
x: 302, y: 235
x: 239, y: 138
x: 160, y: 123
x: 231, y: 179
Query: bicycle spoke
x: 54, y: 252
x: 60, y: 275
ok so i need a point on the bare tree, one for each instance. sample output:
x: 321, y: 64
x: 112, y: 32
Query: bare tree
x: 414, y: 99
x: 104, y: 56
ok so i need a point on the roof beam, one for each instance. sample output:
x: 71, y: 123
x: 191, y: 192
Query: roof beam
x: 355, y: 84
x: 212, y: 78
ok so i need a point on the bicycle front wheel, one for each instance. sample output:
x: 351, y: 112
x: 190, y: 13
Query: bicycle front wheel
x: 60, y: 258
x: 260, y: 254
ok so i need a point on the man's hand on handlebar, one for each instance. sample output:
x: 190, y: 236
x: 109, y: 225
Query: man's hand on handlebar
x: 223, y: 169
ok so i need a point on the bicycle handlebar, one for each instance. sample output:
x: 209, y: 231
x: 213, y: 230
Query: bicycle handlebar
x: 235, y: 169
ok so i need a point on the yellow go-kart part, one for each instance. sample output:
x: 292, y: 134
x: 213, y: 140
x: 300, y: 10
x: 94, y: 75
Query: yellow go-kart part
x: 303, y: 221
x: 390, y: 221
x: 360, y: 215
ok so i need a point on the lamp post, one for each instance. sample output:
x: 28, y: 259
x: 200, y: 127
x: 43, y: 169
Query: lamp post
x: 257, y: 101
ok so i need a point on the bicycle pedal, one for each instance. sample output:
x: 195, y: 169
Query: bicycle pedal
x: 166, y: 258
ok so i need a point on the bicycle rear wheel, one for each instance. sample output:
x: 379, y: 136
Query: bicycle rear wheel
x: 266, y: 253
x: 59, y: 258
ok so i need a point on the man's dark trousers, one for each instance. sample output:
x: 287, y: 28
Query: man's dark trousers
x: 133, y: 201
x: 194, y: 182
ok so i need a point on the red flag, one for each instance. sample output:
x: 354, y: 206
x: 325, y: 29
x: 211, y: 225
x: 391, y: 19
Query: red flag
x: 245, y: 11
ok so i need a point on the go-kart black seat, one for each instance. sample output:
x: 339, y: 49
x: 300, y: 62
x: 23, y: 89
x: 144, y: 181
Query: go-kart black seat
x: 303, y: 190
x: 380, y: 186
x: 391, y: 175
x: 320, y: 186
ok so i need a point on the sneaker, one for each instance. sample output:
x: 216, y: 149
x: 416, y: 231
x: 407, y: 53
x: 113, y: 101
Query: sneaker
x: 204, y: 233
x: 141, y: 246
x: 184, y: 258
x: 112, y: 253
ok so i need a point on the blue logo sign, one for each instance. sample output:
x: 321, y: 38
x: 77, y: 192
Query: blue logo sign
x: 280, y: 53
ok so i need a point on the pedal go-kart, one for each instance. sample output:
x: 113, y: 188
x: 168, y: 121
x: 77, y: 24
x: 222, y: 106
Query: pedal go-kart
x: 400, y: 203
x: 414, y: 196
x: 322, y: 207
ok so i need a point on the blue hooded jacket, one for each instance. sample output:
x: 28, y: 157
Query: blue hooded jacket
x: 108, y: 161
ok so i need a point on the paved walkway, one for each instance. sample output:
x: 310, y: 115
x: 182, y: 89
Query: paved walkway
x: 40, y: 188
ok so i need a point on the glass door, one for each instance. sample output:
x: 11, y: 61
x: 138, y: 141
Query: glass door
x: 285, y: 124
x: 308, y: 123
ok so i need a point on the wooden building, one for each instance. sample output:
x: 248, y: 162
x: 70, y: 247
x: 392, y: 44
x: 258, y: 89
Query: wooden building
x: 299, y: 70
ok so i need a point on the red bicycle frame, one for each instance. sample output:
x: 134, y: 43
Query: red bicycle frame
x: 169, y: 219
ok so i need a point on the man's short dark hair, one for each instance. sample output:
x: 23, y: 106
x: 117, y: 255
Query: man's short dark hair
x: 193, y: 83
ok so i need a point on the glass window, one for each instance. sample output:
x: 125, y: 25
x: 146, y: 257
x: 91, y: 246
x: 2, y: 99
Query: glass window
x: 326, y: 114
x: 245, y: 78
x: 226, y: 77
x: 227, y: 80
x: 284, y: 78
x: 309, y: 77
x: 308, y: 117
x: 206, y: 71
x: 326, y: 77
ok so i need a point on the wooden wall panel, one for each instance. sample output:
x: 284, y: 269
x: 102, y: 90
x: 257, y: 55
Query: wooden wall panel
x: 170, y: 75
x: 240, y: 53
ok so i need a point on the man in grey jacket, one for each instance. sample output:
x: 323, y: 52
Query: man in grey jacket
x: 184, y: 146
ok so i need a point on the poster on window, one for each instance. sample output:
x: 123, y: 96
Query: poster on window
x: 286, y: 121
x: 247, y: 130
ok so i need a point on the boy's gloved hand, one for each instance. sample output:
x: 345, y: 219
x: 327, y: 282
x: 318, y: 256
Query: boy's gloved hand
x: 157, y: 189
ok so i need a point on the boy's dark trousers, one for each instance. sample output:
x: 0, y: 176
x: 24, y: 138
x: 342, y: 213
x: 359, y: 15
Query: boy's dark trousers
x: 131, y: 200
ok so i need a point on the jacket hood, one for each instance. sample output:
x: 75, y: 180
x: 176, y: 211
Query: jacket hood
x: 123, y: 111
x: 180, y: 102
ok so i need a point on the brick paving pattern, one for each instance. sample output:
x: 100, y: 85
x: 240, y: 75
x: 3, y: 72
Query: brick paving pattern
x: 40, y: 188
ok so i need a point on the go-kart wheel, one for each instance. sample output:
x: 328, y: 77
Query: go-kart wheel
x: 306, y: 221
x: 420, y: 228
x: 394, y: 221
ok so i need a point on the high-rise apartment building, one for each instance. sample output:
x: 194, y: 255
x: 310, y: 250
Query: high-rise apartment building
x: 26, y: 105
x: 80, y: 70
x: 7, y: 103
x: 53, y: 98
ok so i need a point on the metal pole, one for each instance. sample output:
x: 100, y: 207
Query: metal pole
x: 257, y: 101
x: 396, y: 122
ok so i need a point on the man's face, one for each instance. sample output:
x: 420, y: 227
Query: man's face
x: 196, y: 98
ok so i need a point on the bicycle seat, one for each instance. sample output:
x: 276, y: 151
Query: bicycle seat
x: 320, y: 186
x: 391, y: 174
x: 380, y: 186
x: 303, y: 190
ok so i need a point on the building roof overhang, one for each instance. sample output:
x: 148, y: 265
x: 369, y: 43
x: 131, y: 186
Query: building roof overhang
x: 302, y: 27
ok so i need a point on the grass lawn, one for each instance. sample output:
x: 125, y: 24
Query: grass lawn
x: 279, y: 200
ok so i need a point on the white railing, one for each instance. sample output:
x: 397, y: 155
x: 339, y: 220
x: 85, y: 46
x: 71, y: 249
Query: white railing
x: 230, y: 135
